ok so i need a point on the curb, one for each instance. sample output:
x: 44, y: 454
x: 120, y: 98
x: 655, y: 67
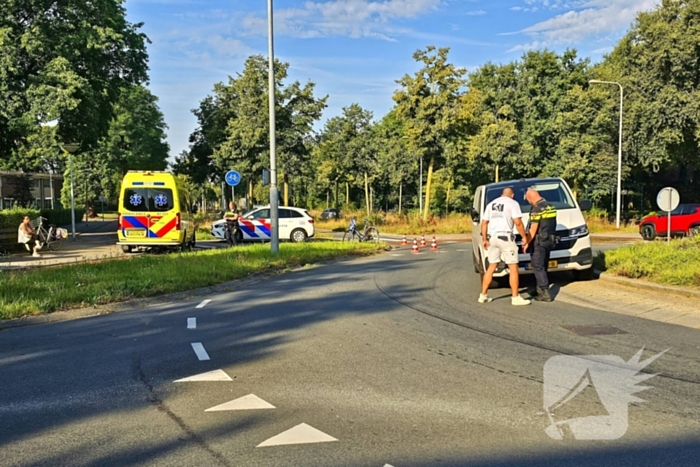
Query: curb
x: 148, y: 302
x: 649, y: 286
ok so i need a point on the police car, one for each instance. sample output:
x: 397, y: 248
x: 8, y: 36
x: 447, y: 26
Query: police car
x: 295, y: 224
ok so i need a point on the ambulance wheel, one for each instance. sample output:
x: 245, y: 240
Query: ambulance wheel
x: 185, y: 244
x: 298, y: 236
x: 193, y: 243
x: 126, y: 248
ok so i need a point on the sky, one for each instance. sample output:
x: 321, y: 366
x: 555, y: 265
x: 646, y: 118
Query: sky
x: 355, y: 50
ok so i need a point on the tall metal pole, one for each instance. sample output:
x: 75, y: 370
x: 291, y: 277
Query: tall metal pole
x: 72, y: 197
x: 274, y: 219
x: 420, y: 190
x: 619, y: 165
x: 619, y: 154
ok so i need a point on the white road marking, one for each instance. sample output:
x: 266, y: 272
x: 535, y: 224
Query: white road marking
x: 388, y: 465
x: 451, y: 241
x: 191, y: 323
x: 463, y: 250
x: 249, y: 402
x: 397, y: 255
x: 216, y: 375
x: 203, y: 304
x: 300, y: 434
x: 199, y: 350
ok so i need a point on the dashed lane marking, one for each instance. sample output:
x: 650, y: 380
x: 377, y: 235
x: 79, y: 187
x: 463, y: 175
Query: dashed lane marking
x: 203, y: 304
x: 199, y: 350
x: 399, y: 254
x: 191, y: 323
x: 216, y: 375
x: 462, y: 250
x: 249, y: 402
x: 300, y: 434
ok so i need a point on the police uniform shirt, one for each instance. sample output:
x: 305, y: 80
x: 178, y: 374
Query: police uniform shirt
x: 545, y: 215
x: 500, y: 214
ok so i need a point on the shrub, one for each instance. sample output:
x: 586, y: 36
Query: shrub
x: 12, y: 218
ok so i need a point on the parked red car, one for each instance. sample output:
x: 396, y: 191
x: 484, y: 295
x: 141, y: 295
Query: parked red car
x: 685, y: 221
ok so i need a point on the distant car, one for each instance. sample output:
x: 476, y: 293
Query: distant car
x: 295, y: 224
x: 685, y: 222
x: 330, y: 214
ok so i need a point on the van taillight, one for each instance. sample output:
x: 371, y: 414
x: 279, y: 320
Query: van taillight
x: 177, y: 222
x: 119, y: 219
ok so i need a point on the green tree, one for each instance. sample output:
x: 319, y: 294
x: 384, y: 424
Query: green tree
x: 428, y: 104
x: 246, y: 146
x: 658, y: 64
x: 66, y: 60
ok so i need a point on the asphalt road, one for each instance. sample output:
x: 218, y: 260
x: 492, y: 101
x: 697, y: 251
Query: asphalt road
x: 388, y: 360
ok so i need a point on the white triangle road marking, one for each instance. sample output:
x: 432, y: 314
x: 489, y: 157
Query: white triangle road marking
x: 191, y: 323
x: 216, y: 375
x: 249, y: 402
x: 300, y: 434
x: 388, y: 465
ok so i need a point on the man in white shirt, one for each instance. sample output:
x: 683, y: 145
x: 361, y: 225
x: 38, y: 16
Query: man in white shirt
x: 500, y: 216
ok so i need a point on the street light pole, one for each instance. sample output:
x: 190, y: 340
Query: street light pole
x: 70, y: 149
x: 274, y: 219
x: 619, y: 153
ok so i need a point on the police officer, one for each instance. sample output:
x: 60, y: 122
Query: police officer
x: 231, y: 216
x: 543, y: 225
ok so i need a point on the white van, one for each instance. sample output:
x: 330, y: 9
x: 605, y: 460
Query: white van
x: 573, y: 251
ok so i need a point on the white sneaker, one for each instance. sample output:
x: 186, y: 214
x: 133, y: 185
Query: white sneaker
x: 36, y: 255
x: 484, y: 298
x: 519, y: 301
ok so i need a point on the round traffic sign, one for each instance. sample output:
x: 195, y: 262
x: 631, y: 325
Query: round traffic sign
x: 668, y: 199
x: 233, y: 178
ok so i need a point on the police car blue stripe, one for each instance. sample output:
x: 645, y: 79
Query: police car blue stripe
x: 264, y: 230
x: 250, y: 232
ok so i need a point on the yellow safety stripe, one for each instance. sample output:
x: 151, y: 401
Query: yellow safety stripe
x: 550, y: 212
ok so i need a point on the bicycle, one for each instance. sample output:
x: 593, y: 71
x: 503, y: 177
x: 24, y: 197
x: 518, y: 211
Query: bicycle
x: 51, y: 238
x: 369, y: 234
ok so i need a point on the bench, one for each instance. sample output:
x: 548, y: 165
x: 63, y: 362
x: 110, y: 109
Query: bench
x: 8, y: 240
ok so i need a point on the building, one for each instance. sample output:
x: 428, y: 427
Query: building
x: 46, y: 189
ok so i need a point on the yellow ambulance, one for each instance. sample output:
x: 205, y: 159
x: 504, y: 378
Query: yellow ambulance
x: 155, y: 211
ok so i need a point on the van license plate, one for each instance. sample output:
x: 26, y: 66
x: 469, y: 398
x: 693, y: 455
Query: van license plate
x: 135, y: 232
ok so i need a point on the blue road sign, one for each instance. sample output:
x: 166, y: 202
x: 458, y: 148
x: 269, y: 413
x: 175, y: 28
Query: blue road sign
x: 233, y: 178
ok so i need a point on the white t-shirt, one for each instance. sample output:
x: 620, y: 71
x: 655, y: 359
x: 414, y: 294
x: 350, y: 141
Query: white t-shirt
x: 500, y: 214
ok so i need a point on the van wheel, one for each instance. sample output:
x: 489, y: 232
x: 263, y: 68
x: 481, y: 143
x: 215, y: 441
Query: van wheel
x: 185, y: 244
x: 126, y: 248
x: 648, y: 232
x: 494, y: 283
x: 193, y: 243
x: 298, y: 236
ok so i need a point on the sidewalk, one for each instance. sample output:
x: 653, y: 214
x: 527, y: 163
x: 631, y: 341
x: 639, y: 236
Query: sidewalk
x: 95, y: 240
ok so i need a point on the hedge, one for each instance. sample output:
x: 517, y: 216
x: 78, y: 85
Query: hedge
x: 12, y: 218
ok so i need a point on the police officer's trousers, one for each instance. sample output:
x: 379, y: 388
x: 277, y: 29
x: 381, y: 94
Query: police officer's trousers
x: 539, y: 261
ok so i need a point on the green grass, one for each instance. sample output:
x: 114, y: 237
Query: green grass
x: 52, y: 289
x: 677, y: 263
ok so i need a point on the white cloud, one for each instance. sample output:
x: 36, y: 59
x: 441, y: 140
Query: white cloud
x: 586, y: 19
x: 476, y: 13
x: 353, y: 18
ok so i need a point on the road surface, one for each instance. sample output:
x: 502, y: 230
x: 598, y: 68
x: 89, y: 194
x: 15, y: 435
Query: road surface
x: 370, y: 362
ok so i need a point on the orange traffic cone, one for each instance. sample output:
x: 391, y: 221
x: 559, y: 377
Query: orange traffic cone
x: 403, y: 241
x: 433, y: 246
x: 414, y: 248
x: 422, y: 240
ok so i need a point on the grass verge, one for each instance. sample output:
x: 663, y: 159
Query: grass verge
x: 675, y: 263
x: 73, y: 286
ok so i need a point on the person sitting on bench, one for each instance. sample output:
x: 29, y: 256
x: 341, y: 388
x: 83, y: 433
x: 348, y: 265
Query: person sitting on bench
x: 27, y: 235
